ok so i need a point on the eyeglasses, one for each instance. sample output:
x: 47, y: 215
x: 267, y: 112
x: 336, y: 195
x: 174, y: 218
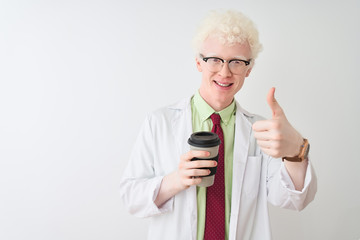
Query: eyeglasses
x: 215, y: 64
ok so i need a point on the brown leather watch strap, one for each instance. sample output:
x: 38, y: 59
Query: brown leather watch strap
x: 304, y: 150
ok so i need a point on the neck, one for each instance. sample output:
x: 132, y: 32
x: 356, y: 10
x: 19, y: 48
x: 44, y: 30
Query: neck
x: 216, y: 104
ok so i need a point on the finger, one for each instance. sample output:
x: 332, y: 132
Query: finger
x: 192, y: 154
x: 272, y: 134
x: 264, y: 146
x: 263, y: 136
x: 274, y: 105
x: 192, y: 181
x: 263, y: 125
x: 268, y: 144
x: 272, y: 152
x: 200, y: 164
x: 197, y: 172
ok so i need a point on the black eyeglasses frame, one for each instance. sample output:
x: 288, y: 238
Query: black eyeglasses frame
x: 205, y: 59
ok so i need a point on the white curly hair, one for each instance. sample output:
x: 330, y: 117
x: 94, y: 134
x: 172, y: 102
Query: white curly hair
x: 229, y: 27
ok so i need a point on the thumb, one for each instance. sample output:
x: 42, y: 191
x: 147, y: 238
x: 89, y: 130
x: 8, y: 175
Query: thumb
x: 274, y: 105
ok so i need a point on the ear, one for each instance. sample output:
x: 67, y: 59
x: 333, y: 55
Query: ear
x: 198, y: 64
x: 248, y: 71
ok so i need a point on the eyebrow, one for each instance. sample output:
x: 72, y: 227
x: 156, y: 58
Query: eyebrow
x: 240, y: 57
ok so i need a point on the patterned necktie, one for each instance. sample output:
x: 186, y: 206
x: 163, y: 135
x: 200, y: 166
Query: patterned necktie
x: 215, y: 196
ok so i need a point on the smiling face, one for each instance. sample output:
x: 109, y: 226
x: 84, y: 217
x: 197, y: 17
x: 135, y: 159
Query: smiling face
x: 218, y: 88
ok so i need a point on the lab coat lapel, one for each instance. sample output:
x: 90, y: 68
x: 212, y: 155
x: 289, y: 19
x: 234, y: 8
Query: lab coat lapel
x: 182, y: 125
x: 241, y: 149
x: 182, y: 129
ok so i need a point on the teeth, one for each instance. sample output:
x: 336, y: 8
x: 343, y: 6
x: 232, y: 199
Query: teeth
x: 223, y: 85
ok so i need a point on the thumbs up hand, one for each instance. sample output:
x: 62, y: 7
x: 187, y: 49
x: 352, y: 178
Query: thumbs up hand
x: 276, y: 137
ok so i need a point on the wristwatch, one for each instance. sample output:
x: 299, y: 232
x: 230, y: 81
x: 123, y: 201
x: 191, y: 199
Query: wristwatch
x: 304, y: 151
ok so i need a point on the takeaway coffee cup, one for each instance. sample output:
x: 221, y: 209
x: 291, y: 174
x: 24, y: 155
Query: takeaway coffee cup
x: 206, y: 141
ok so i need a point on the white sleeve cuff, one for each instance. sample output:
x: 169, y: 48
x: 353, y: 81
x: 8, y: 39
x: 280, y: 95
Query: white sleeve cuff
x: 167, y: 206
x: 287, y: 182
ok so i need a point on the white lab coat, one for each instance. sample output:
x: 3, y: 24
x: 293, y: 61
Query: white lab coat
x: 257, y: 179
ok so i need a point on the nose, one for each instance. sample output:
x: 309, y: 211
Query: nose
x: 225, y: 70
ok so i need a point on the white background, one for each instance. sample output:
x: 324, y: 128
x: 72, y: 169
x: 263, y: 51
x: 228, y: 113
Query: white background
x: 78, y: 77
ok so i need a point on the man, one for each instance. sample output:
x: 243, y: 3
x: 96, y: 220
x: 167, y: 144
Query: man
x: 160, y: 180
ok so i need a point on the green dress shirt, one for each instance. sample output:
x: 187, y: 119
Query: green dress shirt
x: 201, y: 121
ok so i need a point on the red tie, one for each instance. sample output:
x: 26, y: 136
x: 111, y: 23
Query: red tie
x: 215, y: 196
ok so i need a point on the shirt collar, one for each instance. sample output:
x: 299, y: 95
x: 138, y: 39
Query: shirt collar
x: 205, y: 111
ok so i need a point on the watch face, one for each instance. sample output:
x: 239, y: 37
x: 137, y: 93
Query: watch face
x: 307, y: 151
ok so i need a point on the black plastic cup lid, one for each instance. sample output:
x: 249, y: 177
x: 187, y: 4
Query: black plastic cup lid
x: 204, y: 139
